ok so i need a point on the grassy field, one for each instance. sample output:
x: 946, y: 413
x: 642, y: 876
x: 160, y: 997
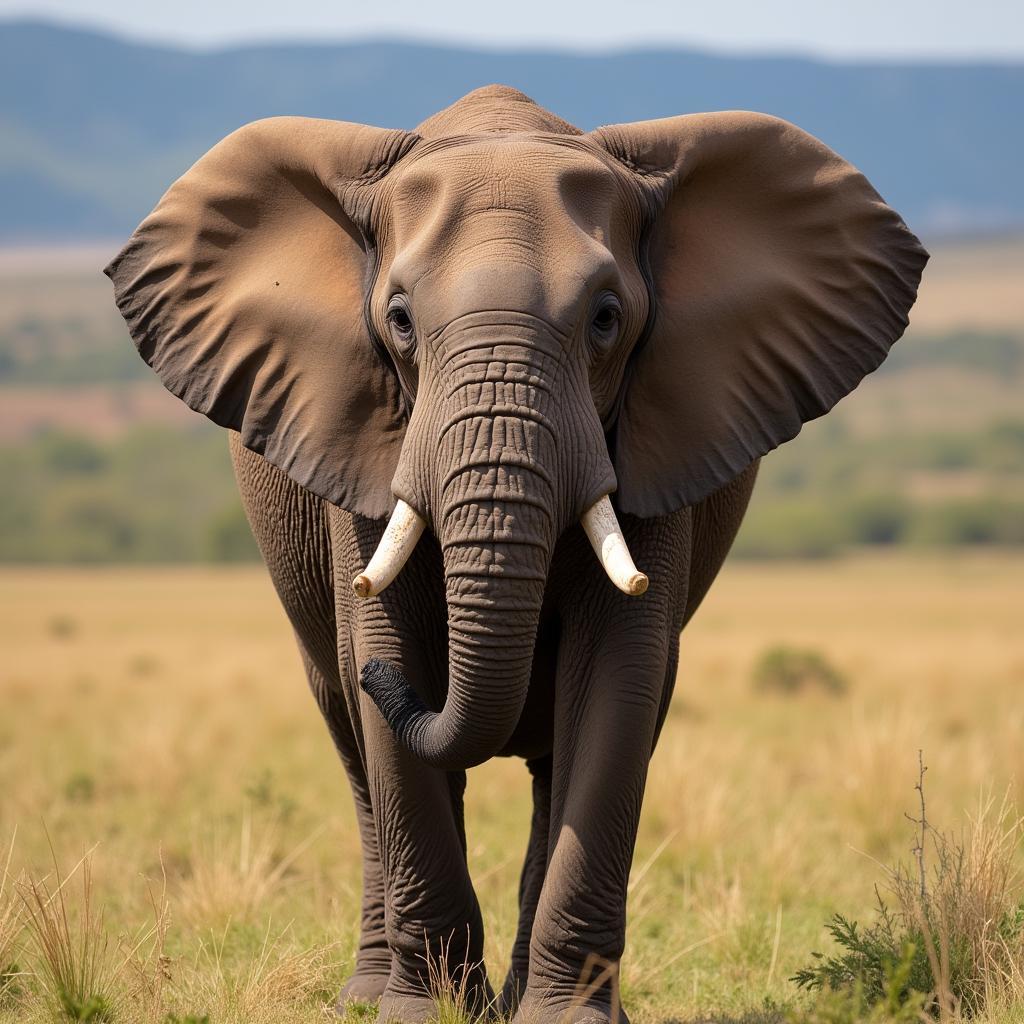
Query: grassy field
x: 156, y: 720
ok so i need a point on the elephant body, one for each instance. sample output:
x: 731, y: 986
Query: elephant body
x: 598, y: 654
x: 484, y: 329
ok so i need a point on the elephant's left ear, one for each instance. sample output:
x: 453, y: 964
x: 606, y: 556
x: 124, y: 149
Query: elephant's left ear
x: 780, y: 279
x: 244, y: 290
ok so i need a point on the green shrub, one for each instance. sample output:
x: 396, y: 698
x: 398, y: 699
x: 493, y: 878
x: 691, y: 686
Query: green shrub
x: 876, y: 519
x: 977, y: 521
x: 790, y: 529
x: 895, y: 1001
x: 85, y: 1009
x: 791, y: 670
x: 151, y: 495
x: 71, y: 455
x: 80, y: 788
x: 1003, y: 450
x: 228, y: 537
x: 954, y: 934
x: 869, y: 959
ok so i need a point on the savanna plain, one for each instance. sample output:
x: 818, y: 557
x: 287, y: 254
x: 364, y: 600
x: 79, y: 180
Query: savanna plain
x: 177, y: 842
x: 156, y: 724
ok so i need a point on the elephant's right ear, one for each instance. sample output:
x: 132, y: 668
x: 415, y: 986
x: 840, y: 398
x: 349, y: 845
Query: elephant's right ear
x: 780, y: 279
x: 244, y: 290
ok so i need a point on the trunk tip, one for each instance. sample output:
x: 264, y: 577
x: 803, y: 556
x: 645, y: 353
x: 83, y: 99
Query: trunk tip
x: 363, y: 586
x: 637, y: 584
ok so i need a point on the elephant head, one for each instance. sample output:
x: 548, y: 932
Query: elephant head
x: 489, y: 325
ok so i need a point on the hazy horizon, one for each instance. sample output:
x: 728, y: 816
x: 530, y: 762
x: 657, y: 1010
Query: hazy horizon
x: 917, y: 30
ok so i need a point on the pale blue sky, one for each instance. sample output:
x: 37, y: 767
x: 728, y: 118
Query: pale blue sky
x: 961, y: 29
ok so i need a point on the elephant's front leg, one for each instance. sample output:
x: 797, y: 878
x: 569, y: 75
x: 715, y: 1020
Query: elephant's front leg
x: 373, y: 959
x: 432, y: 919
x: 531, y: 882
x: 607, y: 707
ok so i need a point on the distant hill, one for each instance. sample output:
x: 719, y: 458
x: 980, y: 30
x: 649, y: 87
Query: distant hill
x: 93, y: 127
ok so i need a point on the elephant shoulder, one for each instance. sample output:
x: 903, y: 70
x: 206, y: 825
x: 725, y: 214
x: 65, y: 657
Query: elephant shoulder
x: 291, y: 527
x: 279, y: 509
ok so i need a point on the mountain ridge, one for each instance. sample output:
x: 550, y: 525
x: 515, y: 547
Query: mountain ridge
x: 94, y: 126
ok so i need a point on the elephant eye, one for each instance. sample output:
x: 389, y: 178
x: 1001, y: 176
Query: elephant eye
x: 400, y: 323
x: 605, y: 321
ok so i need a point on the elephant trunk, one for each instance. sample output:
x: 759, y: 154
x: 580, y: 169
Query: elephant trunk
x: 492, y: 625
x: 497, y: 497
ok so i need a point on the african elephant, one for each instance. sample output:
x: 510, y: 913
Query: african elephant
x: 482, y: 329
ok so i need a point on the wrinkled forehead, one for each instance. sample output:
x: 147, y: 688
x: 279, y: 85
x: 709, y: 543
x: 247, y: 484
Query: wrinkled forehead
x: 504, y: 187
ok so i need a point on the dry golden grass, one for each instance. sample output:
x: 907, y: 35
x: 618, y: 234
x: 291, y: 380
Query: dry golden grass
x: 161, y: 716
x: 10, y: 925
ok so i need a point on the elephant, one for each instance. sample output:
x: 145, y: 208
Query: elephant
x: 474, y: 375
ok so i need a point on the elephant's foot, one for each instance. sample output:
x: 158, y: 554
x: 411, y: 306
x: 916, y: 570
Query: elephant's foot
x: 398, y: 1009
x: 407, y: 1003
x: 511, y: 992
x: 410, y: 1009
x: 543, y: 1008
x: 364, y: 986
x: 367, y: 982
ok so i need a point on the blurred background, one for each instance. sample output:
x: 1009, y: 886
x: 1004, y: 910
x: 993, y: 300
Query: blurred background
x: 871, y: 609
x: 97, y: 117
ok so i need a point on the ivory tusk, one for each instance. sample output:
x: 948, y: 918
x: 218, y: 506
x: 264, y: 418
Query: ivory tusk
x: 404, y: 529
x: 602, y: 529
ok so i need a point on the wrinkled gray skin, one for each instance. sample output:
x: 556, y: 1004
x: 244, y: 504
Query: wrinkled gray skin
x: 756, y: 276
x: 601, y: 678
